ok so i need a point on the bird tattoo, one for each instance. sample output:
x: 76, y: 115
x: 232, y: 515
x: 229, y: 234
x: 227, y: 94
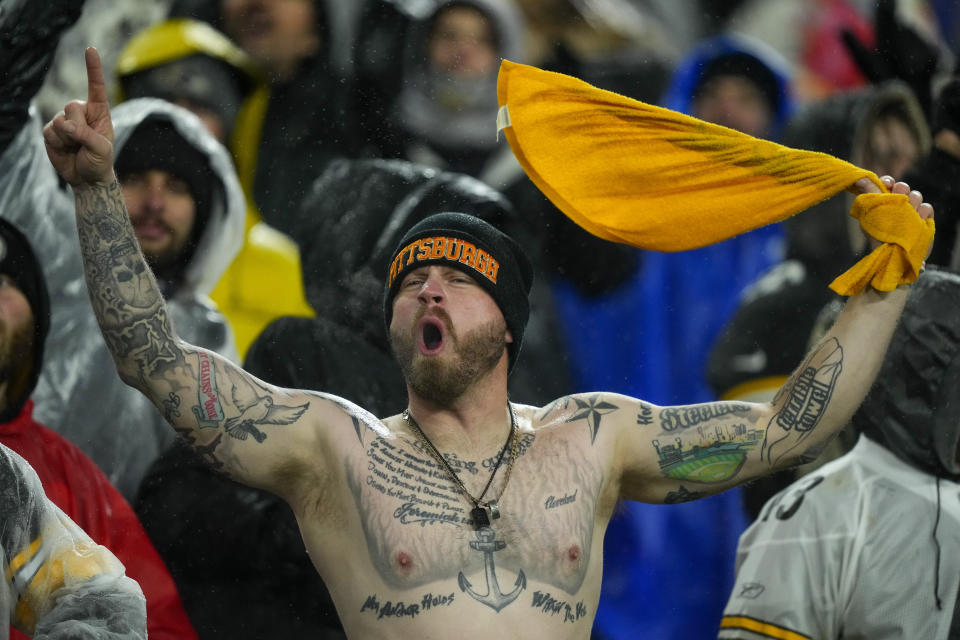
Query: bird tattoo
x: 257, y: 409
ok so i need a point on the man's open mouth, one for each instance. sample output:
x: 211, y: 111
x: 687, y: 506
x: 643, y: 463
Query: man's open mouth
x: 431, y: 335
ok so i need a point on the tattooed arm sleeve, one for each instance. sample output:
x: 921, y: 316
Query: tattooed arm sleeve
x: 243, y: 427
x: 60, y: 584
x: 675, y: 454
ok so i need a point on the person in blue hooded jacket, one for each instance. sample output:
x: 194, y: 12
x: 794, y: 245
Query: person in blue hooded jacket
x: 670, y: 312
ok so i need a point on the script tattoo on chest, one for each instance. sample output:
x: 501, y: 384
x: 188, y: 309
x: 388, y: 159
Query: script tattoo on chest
x: 425, y: 494
x: 418, y: 528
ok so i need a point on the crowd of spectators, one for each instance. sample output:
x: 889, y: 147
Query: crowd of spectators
x: 353, y: 120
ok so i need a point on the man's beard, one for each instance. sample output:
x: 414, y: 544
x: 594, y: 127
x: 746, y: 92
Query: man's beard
x: 14, y: 347
x: 16, y: 361
x: 443, y: 379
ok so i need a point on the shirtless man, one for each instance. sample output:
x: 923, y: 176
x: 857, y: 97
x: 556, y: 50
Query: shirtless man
x: 502, y: 536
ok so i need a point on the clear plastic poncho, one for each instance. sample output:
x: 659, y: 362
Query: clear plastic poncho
x: 59, y: 584
x: 79, y: 393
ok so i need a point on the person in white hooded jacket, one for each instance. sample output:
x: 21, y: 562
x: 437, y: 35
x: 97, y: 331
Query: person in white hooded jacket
x: 78, y: 395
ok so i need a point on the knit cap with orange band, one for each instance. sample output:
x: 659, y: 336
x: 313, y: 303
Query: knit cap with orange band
x: 473, y: 246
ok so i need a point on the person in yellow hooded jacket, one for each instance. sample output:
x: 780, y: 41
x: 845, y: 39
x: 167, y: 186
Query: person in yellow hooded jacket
x: 190, y: 63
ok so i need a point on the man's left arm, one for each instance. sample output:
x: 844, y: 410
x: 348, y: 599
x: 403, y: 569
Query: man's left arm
x: 675, y: 454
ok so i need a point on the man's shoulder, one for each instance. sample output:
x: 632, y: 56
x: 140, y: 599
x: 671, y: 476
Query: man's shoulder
x: 596, y: 416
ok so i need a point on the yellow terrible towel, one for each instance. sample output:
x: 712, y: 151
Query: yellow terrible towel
x: 656, y: 179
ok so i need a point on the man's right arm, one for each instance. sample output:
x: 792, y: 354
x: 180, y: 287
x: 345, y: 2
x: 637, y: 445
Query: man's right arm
x: 247, y: 429
x: 254, y: 432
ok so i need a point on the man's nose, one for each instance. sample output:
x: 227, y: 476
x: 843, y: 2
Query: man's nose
x: 156, y: 196
x: 431, y: 291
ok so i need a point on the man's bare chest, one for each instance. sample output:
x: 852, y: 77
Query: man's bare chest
x: 418, y: 527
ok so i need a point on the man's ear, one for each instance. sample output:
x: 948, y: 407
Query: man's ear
x: 509, y: 337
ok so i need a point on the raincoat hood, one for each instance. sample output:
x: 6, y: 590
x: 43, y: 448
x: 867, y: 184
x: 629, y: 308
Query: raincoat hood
x: 79, y: 393
x: 914, y: 405
x: 450, y: 111
x: 190, y: 60
x: 178, y: 38
x: 839, y: 126
x: 367, y: 206
x: 689, y: 73
x: 222, y: 235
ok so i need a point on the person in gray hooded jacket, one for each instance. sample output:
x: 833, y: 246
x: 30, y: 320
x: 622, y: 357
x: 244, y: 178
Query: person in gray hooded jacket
x: 77, y: 394
x: 868, y: 546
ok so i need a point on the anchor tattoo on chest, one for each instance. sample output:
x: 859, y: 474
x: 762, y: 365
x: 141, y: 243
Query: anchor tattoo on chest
x: 495, y: 598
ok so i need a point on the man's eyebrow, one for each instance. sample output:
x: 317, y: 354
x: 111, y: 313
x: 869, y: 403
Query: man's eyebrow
x: 415, y: 272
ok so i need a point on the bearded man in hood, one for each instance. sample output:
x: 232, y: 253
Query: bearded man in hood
x: 187, y: 208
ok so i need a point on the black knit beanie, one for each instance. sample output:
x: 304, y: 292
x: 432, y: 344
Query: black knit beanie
x: 477, y: 248
x: 18, y: 261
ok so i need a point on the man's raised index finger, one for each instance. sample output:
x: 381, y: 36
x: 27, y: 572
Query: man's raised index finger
x: 96, y: 87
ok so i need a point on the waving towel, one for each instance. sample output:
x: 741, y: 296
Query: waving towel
x: 656, y: 179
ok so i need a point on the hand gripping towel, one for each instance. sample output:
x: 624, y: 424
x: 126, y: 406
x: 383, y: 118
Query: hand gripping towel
x: 656, y: 179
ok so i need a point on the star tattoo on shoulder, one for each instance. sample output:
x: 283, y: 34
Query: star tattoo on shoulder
x: 591, y: 410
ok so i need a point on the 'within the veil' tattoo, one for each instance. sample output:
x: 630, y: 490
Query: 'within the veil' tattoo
x: 807, y: 395
x: 591, y: 410
x: 566, y: 611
